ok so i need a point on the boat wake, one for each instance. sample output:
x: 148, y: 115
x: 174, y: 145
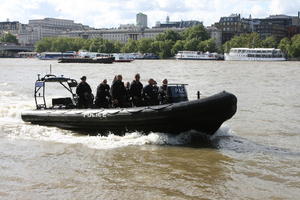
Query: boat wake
x: 224, y: 139
x: 50, y: 134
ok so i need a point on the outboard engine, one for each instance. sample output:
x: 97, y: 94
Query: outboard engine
x: 177, y: 93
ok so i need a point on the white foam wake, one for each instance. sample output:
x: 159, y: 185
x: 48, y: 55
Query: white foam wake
x: 51, y: 134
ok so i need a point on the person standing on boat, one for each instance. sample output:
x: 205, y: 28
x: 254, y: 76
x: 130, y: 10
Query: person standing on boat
x: 150, y: 93
x: 128, y: 102
x: 118, y: 91
x: 163, y: 92
x: 102, y: 95
x: 84, y: 92
x: 136, y: 89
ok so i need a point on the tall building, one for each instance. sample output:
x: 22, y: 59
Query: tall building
x: 141, y: 20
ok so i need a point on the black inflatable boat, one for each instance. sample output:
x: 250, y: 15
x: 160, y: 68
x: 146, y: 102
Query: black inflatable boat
x: 205, y: 115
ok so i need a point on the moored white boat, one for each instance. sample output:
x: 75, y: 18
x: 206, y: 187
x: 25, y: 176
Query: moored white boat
x: 197, y: 55
x: 255, y: 54
x: 123, y: 57
x: 56, y: 55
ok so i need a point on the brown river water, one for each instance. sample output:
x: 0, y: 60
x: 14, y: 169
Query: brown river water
x: 254, y: 155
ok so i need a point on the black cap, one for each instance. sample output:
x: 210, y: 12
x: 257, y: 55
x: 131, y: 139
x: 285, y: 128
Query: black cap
x: 83, y: 77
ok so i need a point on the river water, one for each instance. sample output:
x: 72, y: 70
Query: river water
x: 254, y: 155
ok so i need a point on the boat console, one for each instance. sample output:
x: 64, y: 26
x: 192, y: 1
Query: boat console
x: 177, y: 93
x: 63, y: 103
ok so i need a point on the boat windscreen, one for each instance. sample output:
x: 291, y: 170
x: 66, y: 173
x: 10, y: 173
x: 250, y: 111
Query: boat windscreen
x: 56, y: 79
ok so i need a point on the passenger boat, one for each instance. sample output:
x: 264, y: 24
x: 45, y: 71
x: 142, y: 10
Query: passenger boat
x: 56, y: 55
x: 145, y: 56
x: 255, y: 54
x: 105, y: 60
x: 205, y: 115
x: 197, y: 55
x: 123, y: 57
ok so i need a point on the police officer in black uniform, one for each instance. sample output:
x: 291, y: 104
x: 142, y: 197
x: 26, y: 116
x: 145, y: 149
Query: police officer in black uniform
x: 118, y: 92
x: 150, y: 93
x: 84, y: 92
x: 136, y: 89
x: 102, y: 95
x: 163, y: 92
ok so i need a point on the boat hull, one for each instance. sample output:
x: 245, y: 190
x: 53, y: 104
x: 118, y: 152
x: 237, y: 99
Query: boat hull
x: 205, y: 115
x: 244, y: 58
x: 106, y: 60
x: 123, y: 60
x: 208, y: 58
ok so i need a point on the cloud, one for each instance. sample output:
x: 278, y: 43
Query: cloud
x: 112, y: 13
x: 284, y: 7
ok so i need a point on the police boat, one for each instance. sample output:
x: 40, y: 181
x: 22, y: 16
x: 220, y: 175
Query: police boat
x: 204, y: 115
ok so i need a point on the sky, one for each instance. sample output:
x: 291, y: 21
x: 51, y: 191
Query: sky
x: 112, y: 13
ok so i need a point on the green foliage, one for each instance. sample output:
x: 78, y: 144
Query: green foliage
x: 144, y: 45
x: 196, y: 32
x: 10, y: 38
x: 130, y: 47
x: 44, y: 45
x: 63, y: 44
x: 178, y: 46
x: 284, y: 45
x: 294, y: 50
x: 192, y: 44
x: 165, y: 49
x: 251, y: 40
x: 155, y: 47
x: 168, y: 35
x: 118, y: 46
x: 207, y: 45
x: 270, y: 42
x: 60, y: 44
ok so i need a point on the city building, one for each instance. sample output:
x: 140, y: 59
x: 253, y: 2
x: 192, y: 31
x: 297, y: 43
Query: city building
x: 18, y: 29
x: 121, y: 35
x: 233, y: 25
x: 141, y: 20
x: 278, y: 26
x: 177, y: 24
x: 14, y: 27
x: 51, y: 27
x: 127, y: 26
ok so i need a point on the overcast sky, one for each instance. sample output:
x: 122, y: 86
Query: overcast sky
x: 112, y: 13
